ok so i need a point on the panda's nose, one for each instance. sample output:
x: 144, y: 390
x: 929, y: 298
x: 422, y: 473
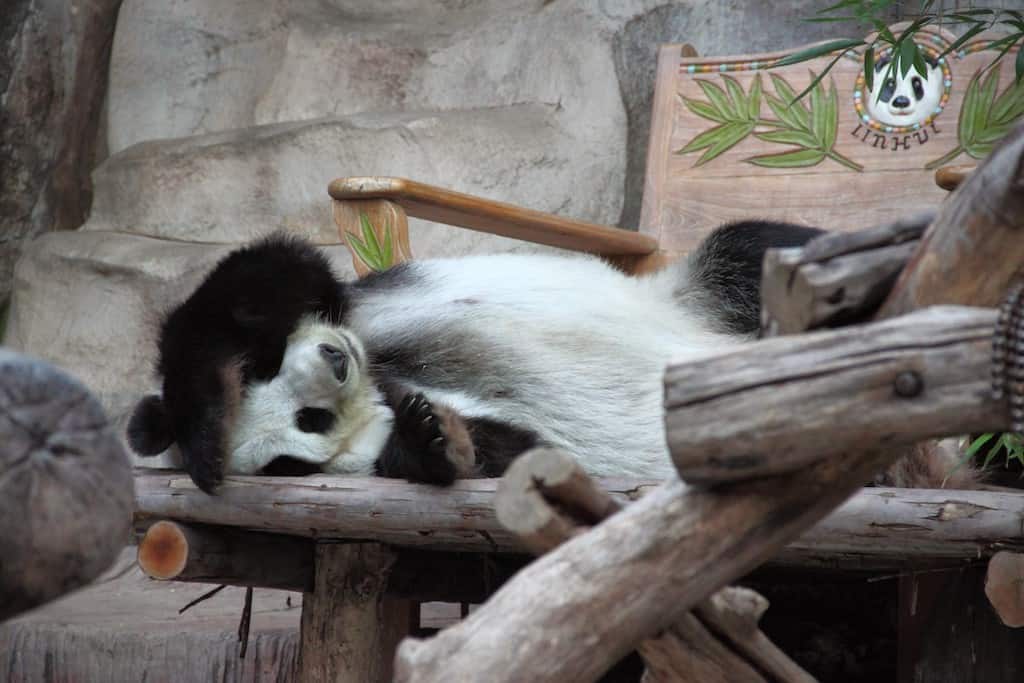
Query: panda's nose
x: 337, y: 359
x: 902, y: 101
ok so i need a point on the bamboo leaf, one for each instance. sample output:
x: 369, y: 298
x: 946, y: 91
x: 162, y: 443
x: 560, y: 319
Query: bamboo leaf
x: 831, y: 116
x: 788, y: 115
x: 369, y: 236
x: 968, y: 34
x: 704, y: 110
x: 754, y: 100
x: 730, y: 135
x: 789, y: 137
x: 1018, y: 65
x: 869, y: 67
x: 818, y: 114
x: 362, y: 252
x: 702, y: 140
x: 1009, y: 105
x: 819, y: 51
x: 795, y: 159
x: 968, y: 111
x: 388, y: 256
x: 737, y: 97
x: 718, y: 99
x: 907, y: 52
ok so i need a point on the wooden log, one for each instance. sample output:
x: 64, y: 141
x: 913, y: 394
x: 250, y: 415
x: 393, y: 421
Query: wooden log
x: 226, y: 556
x: 1004, y: 587
x: 733, y: 613
x: 836, y: 279
x: 350, y: 628
x: 688, y: 652
x: 65, y: 485
x: 665, y: 553
x: 883, y: 385
x: 975, y: 247
x: 876, y: 529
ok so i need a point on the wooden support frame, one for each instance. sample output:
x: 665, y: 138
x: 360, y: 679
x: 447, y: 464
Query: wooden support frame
x: 350, y: 626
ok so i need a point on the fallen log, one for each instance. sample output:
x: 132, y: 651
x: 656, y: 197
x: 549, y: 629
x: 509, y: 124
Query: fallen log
x: 65, y: 485
x: 676, y: 546
x: 882, y: 385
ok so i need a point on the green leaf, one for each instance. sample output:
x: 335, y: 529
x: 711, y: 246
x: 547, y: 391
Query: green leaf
x: 754, y: 100
x: 819, y: 123
x: 789, y: 137
x: 819, y: 50
x: 369, y: 236
x: 869, y: 67
x: 967, y: 35
x: 831, y: 116
x: 795, y: 159
x: 362, y: 252
x: 730, y: 134
x: 1018, y: 64
x: 388, y: 254
x: 704, y: 110
x: 790, y: 116
x: 907, y: 52
x: 718, y: 99
x: 702, y: 140
x: 968, y: 111
x: 737, y: 97
x: 920, y: 64
x: 977, y: 444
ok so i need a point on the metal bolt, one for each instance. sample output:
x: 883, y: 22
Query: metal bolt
x: 908, y: 384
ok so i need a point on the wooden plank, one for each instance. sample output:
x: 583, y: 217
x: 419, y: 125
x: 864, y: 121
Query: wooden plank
x: 876, y: 170
x: 498, y: 218
x: 390, y: 228
x: 350, y: 627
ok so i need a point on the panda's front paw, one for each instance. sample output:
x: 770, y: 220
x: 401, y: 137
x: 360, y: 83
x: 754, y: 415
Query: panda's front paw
x: 437, y: 437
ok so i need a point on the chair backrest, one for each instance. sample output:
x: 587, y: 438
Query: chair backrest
x: 726, y: 144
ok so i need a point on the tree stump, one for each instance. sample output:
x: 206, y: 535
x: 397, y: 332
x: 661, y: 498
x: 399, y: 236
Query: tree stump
x: 66, y: 488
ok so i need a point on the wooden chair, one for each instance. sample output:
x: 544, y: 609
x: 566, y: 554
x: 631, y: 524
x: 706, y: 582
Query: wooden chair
x: 725, y: 144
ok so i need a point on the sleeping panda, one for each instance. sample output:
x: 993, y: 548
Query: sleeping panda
x: 444, y: 368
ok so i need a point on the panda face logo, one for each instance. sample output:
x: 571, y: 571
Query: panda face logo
x: 905, y: 100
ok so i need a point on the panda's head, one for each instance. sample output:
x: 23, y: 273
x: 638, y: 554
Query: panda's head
x: 309, y: 415
x: 229, y: 334
x: 904, y: 100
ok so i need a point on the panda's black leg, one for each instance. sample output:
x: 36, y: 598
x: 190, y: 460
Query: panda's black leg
x: 429, y: 443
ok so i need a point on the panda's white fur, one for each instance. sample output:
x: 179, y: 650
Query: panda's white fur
x: 565, y: 346
x: 265, y: 426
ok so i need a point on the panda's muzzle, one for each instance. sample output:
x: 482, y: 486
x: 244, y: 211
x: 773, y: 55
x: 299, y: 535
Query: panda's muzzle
x: 337, y: 359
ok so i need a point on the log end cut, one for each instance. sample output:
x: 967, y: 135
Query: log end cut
x: 163, y: 551
x: 1004, y: 587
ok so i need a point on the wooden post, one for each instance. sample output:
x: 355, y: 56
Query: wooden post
x: 350, y: 628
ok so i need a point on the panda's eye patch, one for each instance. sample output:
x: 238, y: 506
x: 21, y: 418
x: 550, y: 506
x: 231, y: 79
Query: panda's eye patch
x: 314, y: 420
x: 915, y: 82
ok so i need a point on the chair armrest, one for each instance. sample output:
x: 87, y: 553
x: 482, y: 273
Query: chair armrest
x: 498, y: 218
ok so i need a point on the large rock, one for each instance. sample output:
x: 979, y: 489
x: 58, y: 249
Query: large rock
x: 53, y: 68
x: 183, y: 69
x: 232, y: 186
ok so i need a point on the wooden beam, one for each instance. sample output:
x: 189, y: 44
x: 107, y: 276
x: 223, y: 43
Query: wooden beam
x: 350, y: 627
x: 65, y: 485
x: 878, y: 386
x: 173, y: 551
x: 877, y: 528
x: 498, y: 218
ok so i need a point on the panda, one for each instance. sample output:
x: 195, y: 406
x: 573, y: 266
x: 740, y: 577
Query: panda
x: 908, y: 99
x: 440, y: 368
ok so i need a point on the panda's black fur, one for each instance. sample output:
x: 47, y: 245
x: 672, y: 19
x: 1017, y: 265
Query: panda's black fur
x: 437, y: 363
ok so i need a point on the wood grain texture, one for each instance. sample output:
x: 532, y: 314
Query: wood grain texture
x: 498, y: 218
x: 836, y: 279
x: 65, y: 485
x: 169, y: 550
x: 975, y: 246
x: 684, y: 199
x: 886, y: 384
x: 350, y: 628
x: 880, y: 531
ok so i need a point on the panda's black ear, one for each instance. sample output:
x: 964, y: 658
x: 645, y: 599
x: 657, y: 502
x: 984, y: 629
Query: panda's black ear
x: 149, y: 429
